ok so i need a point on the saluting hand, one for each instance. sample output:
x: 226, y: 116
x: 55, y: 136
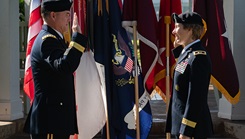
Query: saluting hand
x: 75, y: 25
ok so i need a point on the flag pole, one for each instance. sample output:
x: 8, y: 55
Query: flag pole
x: 105, y: 103
x: 107, y: 119
x: 107, y: 128
x: 136, y: 82
x: 167, y: 21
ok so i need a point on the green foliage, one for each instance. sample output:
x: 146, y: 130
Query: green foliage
x: 22, y: 10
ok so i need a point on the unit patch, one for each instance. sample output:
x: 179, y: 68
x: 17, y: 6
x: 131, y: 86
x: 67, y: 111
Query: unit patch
x: 182, y: 66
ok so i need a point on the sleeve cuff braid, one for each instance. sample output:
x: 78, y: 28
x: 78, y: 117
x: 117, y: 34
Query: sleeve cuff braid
x: 77, y: 46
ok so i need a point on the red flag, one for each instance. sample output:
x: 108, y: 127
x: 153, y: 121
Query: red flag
x: 167, y: 7
x: 143, y: 12
x: 224, y: 74
x: 80, y: 9
x: 35, y: 25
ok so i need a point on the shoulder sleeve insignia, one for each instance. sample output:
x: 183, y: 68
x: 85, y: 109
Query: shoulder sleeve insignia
x: 48, y: 35
x: 199, y: 53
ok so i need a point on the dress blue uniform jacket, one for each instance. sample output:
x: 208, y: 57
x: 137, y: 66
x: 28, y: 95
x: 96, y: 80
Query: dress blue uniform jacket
x: 53, y: 63
x: 188, y: 112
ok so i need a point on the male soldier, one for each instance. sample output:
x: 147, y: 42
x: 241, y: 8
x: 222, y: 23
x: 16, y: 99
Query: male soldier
x: 53, y: 111
x: 188, y: 115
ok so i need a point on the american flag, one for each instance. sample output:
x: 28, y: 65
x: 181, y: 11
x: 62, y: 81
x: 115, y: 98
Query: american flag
x: 35, y: 25
x: 129, y: 65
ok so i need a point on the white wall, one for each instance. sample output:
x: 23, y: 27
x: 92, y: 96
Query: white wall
x: 10, y: 102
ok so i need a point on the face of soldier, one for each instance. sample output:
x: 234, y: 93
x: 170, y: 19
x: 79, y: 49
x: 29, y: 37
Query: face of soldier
x: 62, y: 20
x: 182, y: 36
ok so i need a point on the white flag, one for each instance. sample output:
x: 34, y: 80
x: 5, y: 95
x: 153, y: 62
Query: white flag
x: 90, y: 105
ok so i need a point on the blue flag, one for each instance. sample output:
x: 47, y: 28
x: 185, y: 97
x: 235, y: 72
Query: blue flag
x: 114, y: 50
x: 103, y: 54
x: 123, y: 79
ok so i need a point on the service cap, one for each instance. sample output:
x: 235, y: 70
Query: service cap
x: 188, y: 18
x: 55, y: 5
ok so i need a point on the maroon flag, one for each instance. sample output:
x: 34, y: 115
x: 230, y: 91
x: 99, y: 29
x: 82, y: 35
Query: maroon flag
x: 35, y: 25
x: 167, y: 7
x: 143, y: 12
x: 80, y: 10
x: 224, y: 74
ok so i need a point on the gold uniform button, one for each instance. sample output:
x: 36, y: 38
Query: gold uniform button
x: 177, y: 87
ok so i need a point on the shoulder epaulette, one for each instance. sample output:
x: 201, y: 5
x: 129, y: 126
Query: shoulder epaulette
x: 48, y: 35
x: 199, y: 53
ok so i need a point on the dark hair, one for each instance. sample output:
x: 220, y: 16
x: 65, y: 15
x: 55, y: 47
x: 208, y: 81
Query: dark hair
x: 45, y: 13
x: 197, y: 30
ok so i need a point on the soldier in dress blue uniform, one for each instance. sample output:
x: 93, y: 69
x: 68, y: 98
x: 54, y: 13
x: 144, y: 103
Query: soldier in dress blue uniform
x: 188, y: 114
x: 53, y: 111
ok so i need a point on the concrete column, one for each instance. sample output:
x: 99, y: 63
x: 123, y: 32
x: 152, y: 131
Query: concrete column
x: 10, y: 102
x: 235, y: 22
